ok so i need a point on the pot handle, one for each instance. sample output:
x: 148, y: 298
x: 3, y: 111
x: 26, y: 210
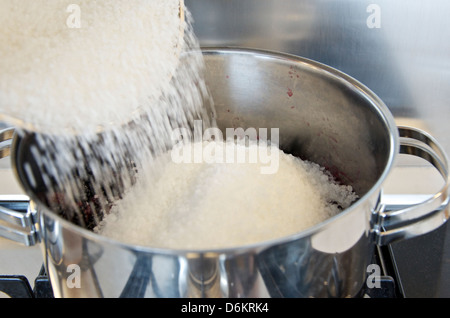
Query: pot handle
x: 17, y: 212
x: 392, y: 224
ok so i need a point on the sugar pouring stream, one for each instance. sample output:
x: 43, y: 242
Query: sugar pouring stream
x: 98, y: 101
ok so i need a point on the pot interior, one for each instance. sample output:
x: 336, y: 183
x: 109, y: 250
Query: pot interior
x: 321, y: 116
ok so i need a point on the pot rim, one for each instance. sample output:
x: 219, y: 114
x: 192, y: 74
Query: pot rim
x: 349, y: 81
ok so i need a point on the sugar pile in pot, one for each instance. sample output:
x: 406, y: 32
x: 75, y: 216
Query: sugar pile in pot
x: 217, y: 204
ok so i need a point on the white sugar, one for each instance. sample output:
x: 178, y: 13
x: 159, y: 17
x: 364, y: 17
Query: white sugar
x: 216, y: 205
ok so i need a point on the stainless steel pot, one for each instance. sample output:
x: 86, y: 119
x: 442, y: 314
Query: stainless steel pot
x: 324, y: 116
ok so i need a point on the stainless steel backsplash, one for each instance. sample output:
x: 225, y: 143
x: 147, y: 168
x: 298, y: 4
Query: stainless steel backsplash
x: 399, y: 49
